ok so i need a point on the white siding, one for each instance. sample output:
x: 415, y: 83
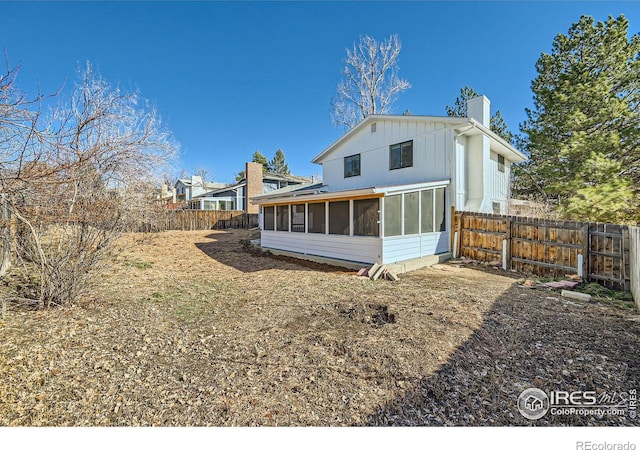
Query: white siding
x: 432, y: 155
x: 476, y: 167
x: 499, y: 182
x: 349, y: 248
x: 401, y: 248
x: 460, y: 179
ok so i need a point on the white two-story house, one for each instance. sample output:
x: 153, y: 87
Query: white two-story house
x: 388, y: 187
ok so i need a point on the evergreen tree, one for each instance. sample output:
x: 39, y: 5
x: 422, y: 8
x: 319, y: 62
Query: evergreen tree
x: 583, y: 134
x: 260, y: 158
x: 257, y: 158
x: 278, y: 164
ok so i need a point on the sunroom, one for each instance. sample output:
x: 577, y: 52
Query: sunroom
x: 212, y: 203
x: 381, y: 225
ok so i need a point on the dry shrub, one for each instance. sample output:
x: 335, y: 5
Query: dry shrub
x: 75, y: 183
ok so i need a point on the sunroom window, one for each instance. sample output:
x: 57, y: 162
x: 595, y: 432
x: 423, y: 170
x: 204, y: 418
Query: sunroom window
x: 268, y: 217
x: 297, y: 218
x: 366, y: 217
x: 433, y: 210
x: 441, y: 219
x: 426, y: 197
x: 339, y: 217
x: 393, y: 215
x: 282, y: 218
x: 316, y: 218
x: 411, y: 213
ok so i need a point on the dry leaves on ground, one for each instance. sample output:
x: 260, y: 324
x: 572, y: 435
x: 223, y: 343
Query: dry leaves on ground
x: 188, y: 329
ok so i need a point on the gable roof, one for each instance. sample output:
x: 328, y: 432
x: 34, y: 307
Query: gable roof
x: 461, y: 124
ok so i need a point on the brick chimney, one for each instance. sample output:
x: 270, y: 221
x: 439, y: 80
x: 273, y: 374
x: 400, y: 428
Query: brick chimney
x: 253, y: 175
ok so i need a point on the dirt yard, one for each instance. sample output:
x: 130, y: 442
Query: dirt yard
x: 189, y: 329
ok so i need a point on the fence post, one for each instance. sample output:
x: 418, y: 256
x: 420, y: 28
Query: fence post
x: 5, y: 236
x: 586, y: 251
x: 580, y: 265
x: 452, y: 238
x: 634, y: 263
x: 507, y: 264
x: 625, y: 265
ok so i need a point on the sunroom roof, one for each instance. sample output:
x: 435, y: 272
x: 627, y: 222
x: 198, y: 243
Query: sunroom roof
x: 322, y: 193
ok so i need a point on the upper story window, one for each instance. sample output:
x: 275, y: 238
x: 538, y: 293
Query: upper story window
x: 501, y: 163
x: 352, y: 166
x: 401, y: 155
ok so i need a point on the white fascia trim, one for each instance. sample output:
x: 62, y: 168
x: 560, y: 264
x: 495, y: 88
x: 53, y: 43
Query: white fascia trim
x: 444, y: 119
x: 500, y: 145
x: 318, y: 196
x: 384, y: 190
x: 411, y: 187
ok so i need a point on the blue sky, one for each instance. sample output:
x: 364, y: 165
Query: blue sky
x: 229, y: 78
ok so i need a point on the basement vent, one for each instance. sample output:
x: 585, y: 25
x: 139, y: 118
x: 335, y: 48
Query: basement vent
x: 373, y: 127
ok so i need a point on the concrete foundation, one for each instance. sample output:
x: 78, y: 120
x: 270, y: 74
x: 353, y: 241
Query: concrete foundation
x: 399, y: 267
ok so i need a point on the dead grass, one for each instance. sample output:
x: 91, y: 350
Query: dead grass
x: 189, y: 329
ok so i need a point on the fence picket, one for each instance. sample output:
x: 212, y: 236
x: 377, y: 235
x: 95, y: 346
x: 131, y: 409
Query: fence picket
x: 551, y: 248
x: 634, y: 266
x: 192, y: 220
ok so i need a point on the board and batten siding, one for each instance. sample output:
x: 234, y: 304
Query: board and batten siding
x: 460, y: 182
x: 401, y: 248
x: 432, y: 155
x: 499, y: 183
x: 349, y: 248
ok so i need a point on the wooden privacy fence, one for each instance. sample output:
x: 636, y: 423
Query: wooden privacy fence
x: 191, y: 220
x: 634, y: 253
x: 596, y: 251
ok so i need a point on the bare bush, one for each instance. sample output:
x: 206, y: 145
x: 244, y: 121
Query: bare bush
x: 74, y: 183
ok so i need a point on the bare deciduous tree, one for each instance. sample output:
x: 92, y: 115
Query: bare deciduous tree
x: 371, y: 83
x: 76, y: 182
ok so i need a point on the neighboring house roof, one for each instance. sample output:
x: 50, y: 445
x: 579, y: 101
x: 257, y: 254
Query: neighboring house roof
x: 318, y: 191
x: 279, y: 177
x: 231, y: 187
x: 312, y: 187
x: 206, y: 185
x: 463, y: 125
x: 266, y: 176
